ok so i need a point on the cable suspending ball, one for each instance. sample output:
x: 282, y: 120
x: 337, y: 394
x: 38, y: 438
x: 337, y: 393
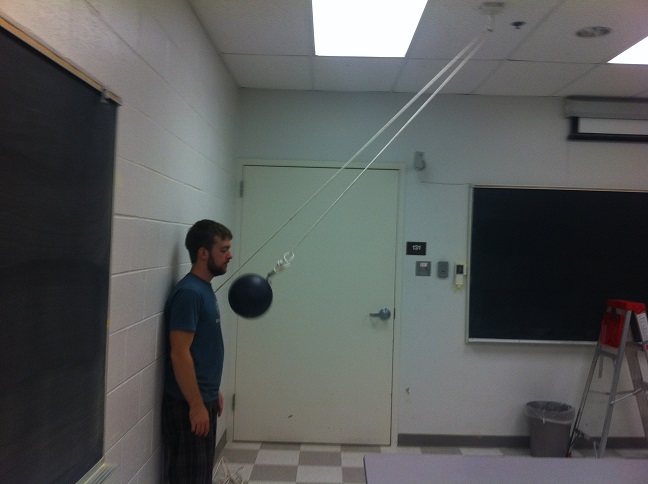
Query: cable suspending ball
x: 250, y: 295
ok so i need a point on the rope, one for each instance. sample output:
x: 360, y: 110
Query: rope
x: 473, y: 46
x: 432, y: 96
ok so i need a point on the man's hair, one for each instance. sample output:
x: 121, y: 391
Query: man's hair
x: 202, y: 234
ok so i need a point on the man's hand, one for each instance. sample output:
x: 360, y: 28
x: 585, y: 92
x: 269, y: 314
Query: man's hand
x: 199, y: 418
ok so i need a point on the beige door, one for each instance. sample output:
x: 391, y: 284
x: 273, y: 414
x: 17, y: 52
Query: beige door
x: 317, y: 367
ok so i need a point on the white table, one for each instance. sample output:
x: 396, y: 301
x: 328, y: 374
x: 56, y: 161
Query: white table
x: 432, y: 468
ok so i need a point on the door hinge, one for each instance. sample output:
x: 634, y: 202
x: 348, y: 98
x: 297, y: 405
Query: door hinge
x: 233, y: 401
x: 241, y: 188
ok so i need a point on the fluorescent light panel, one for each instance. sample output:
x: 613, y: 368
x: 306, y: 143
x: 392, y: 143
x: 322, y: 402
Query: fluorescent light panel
x: 637, y: 54
x: 365, y: 28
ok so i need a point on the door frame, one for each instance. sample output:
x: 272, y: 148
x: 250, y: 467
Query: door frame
x: 400, y: 167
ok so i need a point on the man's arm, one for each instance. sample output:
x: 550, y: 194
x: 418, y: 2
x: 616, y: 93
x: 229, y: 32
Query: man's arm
x: 185, y: 375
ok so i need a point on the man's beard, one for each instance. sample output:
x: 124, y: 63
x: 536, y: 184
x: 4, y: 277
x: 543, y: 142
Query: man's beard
x: 215, y: 269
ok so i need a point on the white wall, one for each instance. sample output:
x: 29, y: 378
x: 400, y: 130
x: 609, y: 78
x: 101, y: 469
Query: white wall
x: 174, y: 165
x: 447, y: 386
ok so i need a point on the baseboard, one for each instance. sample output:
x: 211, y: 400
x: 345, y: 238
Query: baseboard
x: 440, y: 440
x: 614, y: 443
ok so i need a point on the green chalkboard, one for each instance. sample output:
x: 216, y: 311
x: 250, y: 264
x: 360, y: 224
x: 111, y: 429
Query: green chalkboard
x: 57, y: 140
x: 544, y: 261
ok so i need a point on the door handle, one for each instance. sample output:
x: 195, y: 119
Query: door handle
x: 383, y: 314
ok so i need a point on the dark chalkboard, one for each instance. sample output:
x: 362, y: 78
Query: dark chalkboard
x: 544, y: 261
x: 57, y: 139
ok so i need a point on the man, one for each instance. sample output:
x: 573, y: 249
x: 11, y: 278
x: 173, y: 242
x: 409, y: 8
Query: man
x: 192, y: 399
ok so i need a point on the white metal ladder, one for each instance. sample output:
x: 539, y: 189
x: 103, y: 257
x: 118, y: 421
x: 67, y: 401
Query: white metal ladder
x: 624, y: 332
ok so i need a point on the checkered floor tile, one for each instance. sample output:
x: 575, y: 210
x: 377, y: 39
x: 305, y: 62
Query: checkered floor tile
x: 301, y: 463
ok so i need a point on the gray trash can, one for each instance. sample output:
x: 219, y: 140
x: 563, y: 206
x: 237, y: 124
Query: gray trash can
x: 550, y: 427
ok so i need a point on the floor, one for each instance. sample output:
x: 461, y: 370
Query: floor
x: 258, y: 463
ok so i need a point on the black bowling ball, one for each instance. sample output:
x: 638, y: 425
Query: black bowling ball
x: 250, y: 295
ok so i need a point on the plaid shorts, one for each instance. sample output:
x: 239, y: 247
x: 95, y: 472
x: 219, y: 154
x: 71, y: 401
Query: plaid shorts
x: 187, y: 459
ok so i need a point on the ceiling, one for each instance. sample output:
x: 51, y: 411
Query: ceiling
x: 268, y: 44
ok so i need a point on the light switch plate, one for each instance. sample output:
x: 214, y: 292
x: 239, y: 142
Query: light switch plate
x: 443, y: 268
x: 423, y: 268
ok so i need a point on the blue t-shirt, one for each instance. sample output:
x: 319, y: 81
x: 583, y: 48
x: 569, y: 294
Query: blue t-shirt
x: 192, y: 306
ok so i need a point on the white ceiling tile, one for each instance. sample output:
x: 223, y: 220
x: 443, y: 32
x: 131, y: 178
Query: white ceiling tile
x: 446, y: 26
x: 449, y: 25
x: 610, y: 80
x: 355, y: 73
x: 505, y: 37
x: 272, y: 27
x: 270, y: 72
x: 556, y: 41
x: 556, y: 62
x: 518, y: 78
x: 418, y: 73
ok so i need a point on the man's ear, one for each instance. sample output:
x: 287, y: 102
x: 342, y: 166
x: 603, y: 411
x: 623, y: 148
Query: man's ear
x: 203, y: 253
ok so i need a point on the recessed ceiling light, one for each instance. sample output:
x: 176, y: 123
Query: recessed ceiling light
x: 365, y: 28
x: 637, y: 54
x: 593, y: 31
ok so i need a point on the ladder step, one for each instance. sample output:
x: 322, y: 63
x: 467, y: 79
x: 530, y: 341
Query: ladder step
x: 622, y: 304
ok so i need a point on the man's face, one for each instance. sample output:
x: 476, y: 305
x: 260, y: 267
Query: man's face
x: 219, y: 256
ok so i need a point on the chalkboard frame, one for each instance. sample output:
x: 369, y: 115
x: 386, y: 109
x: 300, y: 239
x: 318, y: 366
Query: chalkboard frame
x: 572, y: 227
